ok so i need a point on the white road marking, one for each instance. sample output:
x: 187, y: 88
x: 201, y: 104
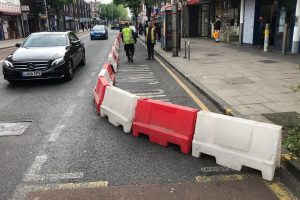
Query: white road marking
x: 81, y: 93
x: 56, y: 132
x: 155, y: 94
x: 70, y: 111
x: 215, y: 169
x: 36, y: 167
x: 54, y: 177
x: 93, y: 74
x: 84, y: 35
x: 87, y: 82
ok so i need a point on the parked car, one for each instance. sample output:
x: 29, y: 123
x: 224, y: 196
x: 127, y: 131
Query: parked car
x: 45, y: 55
x: 99, y: 32
x: 114, y: 27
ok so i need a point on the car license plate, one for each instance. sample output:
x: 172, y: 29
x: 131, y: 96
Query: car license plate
x: 35, y: 73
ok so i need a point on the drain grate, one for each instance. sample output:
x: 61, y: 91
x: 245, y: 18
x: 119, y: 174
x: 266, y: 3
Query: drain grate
x: 269, y: 61
x: 238, y: 80
x: 213, y: 54
x: 13, y: 128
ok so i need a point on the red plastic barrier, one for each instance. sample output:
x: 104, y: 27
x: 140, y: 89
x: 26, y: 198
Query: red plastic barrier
x: 99, y: 91
x: 165, y: 123
x: 115, y: 54
x: 109, y: 68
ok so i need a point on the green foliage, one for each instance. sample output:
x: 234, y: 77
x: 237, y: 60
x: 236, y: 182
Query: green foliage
x: 133, y: 5
x: 112, y: 12
x: 292, y: 139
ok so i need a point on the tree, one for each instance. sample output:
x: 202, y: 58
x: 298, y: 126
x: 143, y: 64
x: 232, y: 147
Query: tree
x: 133, y: 5
x: 112, y: 12
x: 58, y: 5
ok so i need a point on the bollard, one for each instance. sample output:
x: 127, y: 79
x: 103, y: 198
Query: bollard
x: 284, y: 41
x: 266, y: 41
x: 185, y: 49
x: 189, y: 49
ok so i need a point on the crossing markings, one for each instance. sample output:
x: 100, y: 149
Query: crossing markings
x: 70, y: 111
x: 136, y: 75
x: 156, y: 94
x: 56, y: 132
x: 276, y: 187
x: 81, y: 93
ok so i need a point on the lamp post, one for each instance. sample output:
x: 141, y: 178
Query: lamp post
x: 47, y: 17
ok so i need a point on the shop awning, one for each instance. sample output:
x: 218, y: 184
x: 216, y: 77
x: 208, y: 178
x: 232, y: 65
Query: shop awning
x: 10, y: 9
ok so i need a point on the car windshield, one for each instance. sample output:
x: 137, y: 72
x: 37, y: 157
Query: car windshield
x: 98, y: 28
x: 46, y: 40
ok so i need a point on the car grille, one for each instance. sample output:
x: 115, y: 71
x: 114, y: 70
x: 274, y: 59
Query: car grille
x: 29, y: 66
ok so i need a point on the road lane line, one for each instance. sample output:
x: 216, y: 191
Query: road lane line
x: 279, y: 190
x: 54, y: 177
x: 70, y: 111
x: 93, y: 74
x: 87, y: 82
x: 84, y: 35
x: 56, y: 132
x: 36, y: 167
x: 22, y: 191
x: 81, y: 93
x: 203, y: 179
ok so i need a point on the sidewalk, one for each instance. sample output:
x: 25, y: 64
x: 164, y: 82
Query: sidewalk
x: 11, y: 43
x: 252, y: 83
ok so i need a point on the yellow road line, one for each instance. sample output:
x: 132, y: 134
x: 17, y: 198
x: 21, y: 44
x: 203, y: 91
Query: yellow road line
x: 280, y: 190
x: 276, y: 187
x: 201, y: 179
x: 187, y: 90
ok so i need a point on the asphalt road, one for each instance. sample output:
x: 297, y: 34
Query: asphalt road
x: 68, y: 142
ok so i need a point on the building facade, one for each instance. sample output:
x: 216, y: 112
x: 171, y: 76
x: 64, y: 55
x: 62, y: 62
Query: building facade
x: 38, y: 15
x: 10, y: 20
x: 240, y: 20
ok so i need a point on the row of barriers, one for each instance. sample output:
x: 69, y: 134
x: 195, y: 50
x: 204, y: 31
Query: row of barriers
x: 234, y: 142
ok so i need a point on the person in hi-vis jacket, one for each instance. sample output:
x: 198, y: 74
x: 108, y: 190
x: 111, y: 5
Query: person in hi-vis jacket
x: 150, y: 40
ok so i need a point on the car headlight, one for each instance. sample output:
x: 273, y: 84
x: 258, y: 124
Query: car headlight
x: 8, y: 64
x: 58, y: 62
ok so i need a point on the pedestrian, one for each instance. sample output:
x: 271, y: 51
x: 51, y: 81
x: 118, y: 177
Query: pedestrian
x: 82, y: 26
x: 217, y: 28
x: 158, y: 31
x: 140, y: 28
x: 150, y: 40
x: 1, y: 31
x: 129, y: 39
x: 261, y: 30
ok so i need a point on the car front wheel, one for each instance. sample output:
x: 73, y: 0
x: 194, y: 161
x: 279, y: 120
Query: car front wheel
x: 69, y: 74
x: 83, y: 59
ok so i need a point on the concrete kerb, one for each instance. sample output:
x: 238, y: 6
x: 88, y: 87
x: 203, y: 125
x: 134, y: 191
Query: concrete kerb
x: 292, y: 164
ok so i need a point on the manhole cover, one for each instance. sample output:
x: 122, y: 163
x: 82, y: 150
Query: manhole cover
x: 13, y: 128
x: 213, y: 54
x: 268, y: 61
x: 238, y: 80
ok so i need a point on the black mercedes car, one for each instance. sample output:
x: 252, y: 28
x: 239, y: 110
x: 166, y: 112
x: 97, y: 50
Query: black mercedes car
x: 45, y: 55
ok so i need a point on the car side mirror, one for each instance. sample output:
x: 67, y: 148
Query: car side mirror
x: 74, y: 42
x: 18, y: 44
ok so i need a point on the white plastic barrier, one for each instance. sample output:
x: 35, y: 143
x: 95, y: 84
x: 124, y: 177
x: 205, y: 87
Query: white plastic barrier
x: 106, y: 75
x: 119, y: 106
x: 117, y: 44
x: 112, y: 60
x: 236, y: 142
x: 114, y: 50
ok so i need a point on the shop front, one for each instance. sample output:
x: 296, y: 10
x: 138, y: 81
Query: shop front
x: 200, y: 17
x: 10, y: 21
x: 229, y: 13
